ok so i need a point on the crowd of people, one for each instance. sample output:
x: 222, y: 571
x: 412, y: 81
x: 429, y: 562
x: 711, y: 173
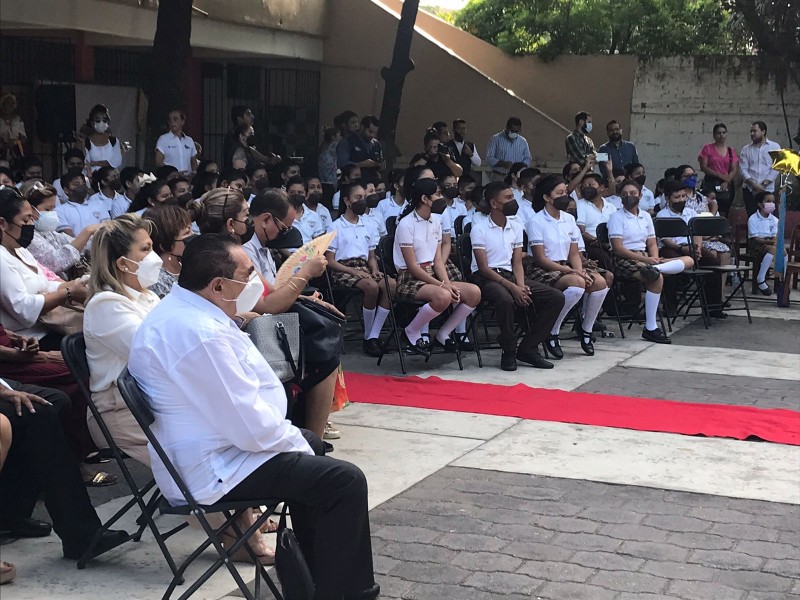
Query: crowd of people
x: 162, y: 273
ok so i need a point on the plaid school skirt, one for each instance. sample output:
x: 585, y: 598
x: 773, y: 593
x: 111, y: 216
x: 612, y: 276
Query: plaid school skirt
x: 757, y: 247
x: 532, y: 271
x: 453, y: 272
x: 408, y: 285
x: 341, y: 279
x: 626, y: 268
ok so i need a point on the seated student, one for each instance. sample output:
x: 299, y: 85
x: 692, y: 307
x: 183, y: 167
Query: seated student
x: 171, y: 229
x: 204, y: 181
x: 106, y: 184
x: 593, y: 209
x: 179, y: 186
x: 73, y: 160
x: 352, y: 263
x: 762, y: 231
x: 421, y: 269
x: 466, y: 184
x: 307, y: 221
x: 633, y: 242
x: 395, y: 201
x: 149, y: 195
x: 553, y: 236
x: 53, y: 249
x: 528, y: 178
x: 372, y: 217
x: 79, y: 211
x: 256, y: 172
x: 497, y: 270
x: 190, y: 358
x: 314, y: 202
x: 696, y: 201
x: 350, y: 173
x: 675, y: 193
x: 636, y: 171
x: 28, y: 291
x: 41, y: 462
x: 6, y: 177
x: 233, y: 178
x: 291, y: 168
x: 131, y: 180
x: 512, y: 179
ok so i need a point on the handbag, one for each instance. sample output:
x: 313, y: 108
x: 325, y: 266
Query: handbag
x: 277, y: 338
x: 64, y: 319
x: 322, y: 330
x: 291, y: 565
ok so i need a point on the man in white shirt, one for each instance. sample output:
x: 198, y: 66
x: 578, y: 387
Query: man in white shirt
x: 756, y: 166
x: 220, y: 413
x: 107, y: 183
x: 74, y: 161
x: 175, y: 148
x: 307, y: 221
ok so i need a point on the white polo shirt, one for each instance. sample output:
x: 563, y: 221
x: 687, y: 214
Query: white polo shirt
x: 178, y: 151
x: 120, y: 205
x: 556, y: 235
x: 762, y: 227
x: 525, y: 212
x: 615, y: 201
x: 353, y: 240
x: 648, y: 200
x: 498, y: 242
x: 633, y: 230
x: 590, y: 216
x: 261, y: 258
x: 423, y: 235
x: 77, y: 216
x: 107, y: 202
x: 666, y: 213
x: 389, y: 208
x: 325, y: 216
x: 374, y: 222
x: 310, y: 225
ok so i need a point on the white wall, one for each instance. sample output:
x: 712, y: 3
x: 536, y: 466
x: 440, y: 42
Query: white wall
x: 676, y: 102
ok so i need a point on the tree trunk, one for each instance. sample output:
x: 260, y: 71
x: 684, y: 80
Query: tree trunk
x: 395, y: 77
x: 170, y: 62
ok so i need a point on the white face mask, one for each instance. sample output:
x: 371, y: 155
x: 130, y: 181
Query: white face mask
x: 48, y: 221
x: 512, y: 135
x: 252, y: 292
x: 588, y: 128
x: 149, y: 269
x: 100, y: 126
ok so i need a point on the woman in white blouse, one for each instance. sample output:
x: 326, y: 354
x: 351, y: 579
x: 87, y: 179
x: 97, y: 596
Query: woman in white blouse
x: 53, y: 249
x: 101, y: 147
x: 28, y: 290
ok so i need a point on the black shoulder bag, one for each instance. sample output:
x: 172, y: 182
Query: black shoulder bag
x: 291, y: 565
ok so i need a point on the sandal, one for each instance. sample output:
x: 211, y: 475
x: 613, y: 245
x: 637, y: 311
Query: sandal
x: 95, y: 458
x: 266, y: 556
x: 7, y: 572
x: 101, y: 479
x: 269, y: 526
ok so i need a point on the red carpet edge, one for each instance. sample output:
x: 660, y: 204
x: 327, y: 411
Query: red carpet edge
x: 540, y: 404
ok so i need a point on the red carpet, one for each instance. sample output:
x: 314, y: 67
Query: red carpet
x: 711, y: 420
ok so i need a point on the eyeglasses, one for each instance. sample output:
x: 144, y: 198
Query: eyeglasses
x: 282, y: 227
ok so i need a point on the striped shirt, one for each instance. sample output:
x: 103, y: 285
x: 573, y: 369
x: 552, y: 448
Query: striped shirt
x: 501, y: 148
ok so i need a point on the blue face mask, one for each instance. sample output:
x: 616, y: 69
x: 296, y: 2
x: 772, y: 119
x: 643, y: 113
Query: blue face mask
x: 691, y: 181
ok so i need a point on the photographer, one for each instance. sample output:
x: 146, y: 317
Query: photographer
x: 437, y: 157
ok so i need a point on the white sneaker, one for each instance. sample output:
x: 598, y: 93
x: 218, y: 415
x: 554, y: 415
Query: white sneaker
x: 330, y: 432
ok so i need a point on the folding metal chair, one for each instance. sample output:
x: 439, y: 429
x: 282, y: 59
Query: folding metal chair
x: 458, y: 225
x: 721, y: 227
x: 385, y: 255
x: 342, y: 298
x: 73, y: 349
x: 139, y: 406
x: 391, y: 225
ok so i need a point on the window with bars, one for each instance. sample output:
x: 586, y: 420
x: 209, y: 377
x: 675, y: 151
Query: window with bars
x: 24, y: 61
x: 116, y: 66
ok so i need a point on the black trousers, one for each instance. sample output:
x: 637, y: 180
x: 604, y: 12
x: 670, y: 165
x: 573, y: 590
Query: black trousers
x: 750, y: 203
x: 41, y: 460
x: 328, y: 503
x: 542, y: 313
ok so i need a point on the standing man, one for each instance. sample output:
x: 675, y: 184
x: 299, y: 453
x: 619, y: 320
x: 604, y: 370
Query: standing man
x: 578, y: 143
x: 506, y: 148
x: 465, y: 151
x: 363, y: 149
x: 620, y: 152
x: 756, y: 166
x: 175, y: 148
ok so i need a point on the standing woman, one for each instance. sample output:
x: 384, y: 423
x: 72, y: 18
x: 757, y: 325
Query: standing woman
x: 101, y: 147
x: 421, y: 269
x: 557, y: 262
x: 633, y: 242
x: 720, y: 163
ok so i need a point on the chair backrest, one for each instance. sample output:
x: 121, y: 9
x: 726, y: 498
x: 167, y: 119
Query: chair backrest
x: 391, y: 225
x: 468, y: 227
x: 386, y: 255
x: 710, y: 226
x: 668, y: 227
x: 602, y: 234
x: 794, y: 245
x: 458, y: 225
x: 73, y: 350
x: 465, y: 253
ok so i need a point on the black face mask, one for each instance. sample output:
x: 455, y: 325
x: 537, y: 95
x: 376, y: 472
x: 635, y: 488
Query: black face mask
x: 297, y: 200
x: 510, y: 208
x: 630, y: 202
x: 247, y: 191
x: 286, y: 239
x: 374, y: 199
x: 589, y: 193
x: 25, y: 235
x: 677, y: 207
x: 359, y: 207
x: 78, y: 195
x: 640, y: 179
x: 438, y: 206
x: 313, y: 199
x: 450, y: 192
x: 250, y: 229
x: 561, y: 203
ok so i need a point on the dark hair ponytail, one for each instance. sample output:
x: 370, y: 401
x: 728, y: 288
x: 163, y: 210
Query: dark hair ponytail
x: 419, y: 189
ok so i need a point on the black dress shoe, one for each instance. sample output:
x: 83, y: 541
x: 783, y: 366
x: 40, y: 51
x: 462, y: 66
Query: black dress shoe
x: 371, y: 347
x: 764, y: 291
x: 718, y: 314
x: 655, y: 335
x: 586, y: 343
x: 110, y: 539
x: 649, y: 273
x: 534, y: 359
x: 327, y: 446
x: 368, y: 594
x: 26, y: 528
x: 508, y: 361
x: 465, y: 344
x: 449, y: 345
x: 552, y: 346
x: 422, y: 347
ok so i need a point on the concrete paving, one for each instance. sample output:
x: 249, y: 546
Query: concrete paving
x: 481, y: 507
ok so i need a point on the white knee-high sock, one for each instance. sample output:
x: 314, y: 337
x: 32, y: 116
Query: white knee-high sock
x: 651, y: 300
x: 571, y: 296
x: 369, y: 318
x: 462, y: 327
x: 425, y: 315
x: 460, y: 313
x: 592, y: 303
x: 671, y: 267
x: 380, y: 318
x: 766, y: 263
